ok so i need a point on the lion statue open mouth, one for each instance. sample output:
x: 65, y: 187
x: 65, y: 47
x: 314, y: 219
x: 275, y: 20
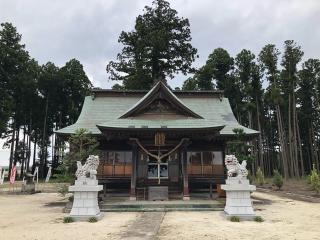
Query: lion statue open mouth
x: 234, y: 168
x: 89, y: 168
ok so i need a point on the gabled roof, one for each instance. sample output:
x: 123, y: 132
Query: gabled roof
x: 104, y: 107
x: 160, y: 91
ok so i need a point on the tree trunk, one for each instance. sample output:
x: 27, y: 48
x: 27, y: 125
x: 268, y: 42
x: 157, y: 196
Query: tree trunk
x: 299, y: 146
x: 24, y: 153
x: 12, y: 149
x: 34, y: 152
x: 43, y: 145
x: 282, y: 143
x: 260, y: 144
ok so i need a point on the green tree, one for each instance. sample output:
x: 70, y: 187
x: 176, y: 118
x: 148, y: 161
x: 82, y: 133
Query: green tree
x: 289, y: 79
x: 76, y: 86
x: 309, y: 111
x: 274, y: 130
x: 244, y: 62
x: 220, y: 64
x: 190, y: 84
x: 159, y: 46
x: 240, y: 148
x: 214, y: 74
x: 14, y: 82
x: 82, y: 144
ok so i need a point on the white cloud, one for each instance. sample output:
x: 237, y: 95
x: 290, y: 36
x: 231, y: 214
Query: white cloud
x: 88, y: 30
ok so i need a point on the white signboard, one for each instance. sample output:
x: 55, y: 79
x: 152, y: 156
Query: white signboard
x: 2, y: 175
x: 36, y: 172
x: 48, y: 175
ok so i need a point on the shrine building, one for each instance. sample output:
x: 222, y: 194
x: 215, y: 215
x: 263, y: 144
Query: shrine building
x: 159, y: 144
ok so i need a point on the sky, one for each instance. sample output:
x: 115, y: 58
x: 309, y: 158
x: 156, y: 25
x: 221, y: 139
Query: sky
x: 59, y: 30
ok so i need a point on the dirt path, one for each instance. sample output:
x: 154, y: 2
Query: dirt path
x: 146, y: 226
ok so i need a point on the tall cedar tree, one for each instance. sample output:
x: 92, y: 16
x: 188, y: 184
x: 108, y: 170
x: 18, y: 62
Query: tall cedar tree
x: 159, y: 46
x: 289, y: 80
x: 35, y: 100
x: 309, y: 111
x: 15, y: 85
x: 214, y: 74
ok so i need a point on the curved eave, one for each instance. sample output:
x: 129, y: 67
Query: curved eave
x: 247, y: 136
x: 202, y: 129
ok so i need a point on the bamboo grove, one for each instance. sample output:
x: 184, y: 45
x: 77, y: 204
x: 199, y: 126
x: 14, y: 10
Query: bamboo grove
x: 275, y: 93
x: 35, y: 100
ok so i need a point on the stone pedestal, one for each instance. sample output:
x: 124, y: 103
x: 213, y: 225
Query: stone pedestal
x: 238, y: 201
x: 28, y: 185
x: 85, y: 203
x: 28, y: 188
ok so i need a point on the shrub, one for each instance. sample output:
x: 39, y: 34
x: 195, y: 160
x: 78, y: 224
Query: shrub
x: 260, y: 177
x: 234, y: 219
x: 277, y: 179
x: 308, y: 179
x: 93, y: 220
x: 250, y: 177
x: 258, y: 219
x: 315, y: 180
x: 63, y: 190
x: 68, y: 220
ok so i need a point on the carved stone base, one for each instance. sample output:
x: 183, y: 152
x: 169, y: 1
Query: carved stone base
x: 85, y: 203
x: 238, y: 201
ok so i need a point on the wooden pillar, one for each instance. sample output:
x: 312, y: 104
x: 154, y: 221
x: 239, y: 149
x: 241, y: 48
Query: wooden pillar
x: 133, y: 195
x: 104, y: 189
x: 184, y: 164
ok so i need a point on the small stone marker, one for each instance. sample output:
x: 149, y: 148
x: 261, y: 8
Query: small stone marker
x: 85, y: 201
x: 28, y: 185
x: 238, y: 189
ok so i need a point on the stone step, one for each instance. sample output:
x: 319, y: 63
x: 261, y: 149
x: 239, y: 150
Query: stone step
x: 160, y: 205
x: 147, y: 206
x: 160, y: 209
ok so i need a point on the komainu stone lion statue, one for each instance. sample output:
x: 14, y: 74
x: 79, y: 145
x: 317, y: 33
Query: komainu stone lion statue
x: 234, y: 168
x: 90, y: 167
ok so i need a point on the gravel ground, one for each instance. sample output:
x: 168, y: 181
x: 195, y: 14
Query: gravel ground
x: 39, y: 217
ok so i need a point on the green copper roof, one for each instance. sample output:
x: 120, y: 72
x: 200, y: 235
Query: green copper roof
x: 105, y: 110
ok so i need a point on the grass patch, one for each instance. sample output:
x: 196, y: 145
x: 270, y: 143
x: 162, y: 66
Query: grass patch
x: 68, y: 220
x: 258, y: 219
x: 92, y: 220
x: 234, y: 219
